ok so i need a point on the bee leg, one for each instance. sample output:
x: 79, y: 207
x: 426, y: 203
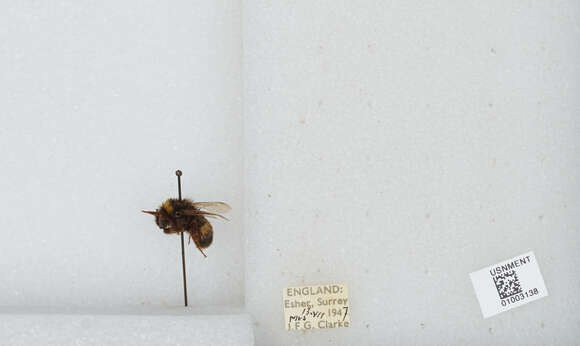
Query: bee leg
x: 200, y: 250
x: 196, y: 241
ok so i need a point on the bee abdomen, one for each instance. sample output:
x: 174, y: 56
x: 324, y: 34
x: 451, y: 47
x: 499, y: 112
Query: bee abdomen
x: 206, y: 235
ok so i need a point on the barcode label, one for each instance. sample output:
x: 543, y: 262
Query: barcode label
x: 508, y: 284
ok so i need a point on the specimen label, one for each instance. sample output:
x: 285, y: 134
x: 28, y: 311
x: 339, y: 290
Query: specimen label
x: 316, y: 307
x: 508, y: 284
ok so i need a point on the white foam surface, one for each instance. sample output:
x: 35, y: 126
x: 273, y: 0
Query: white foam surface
x: 125, y: 329
x: 397, y: 147
x: 101, y: 103
x: 391, y: 146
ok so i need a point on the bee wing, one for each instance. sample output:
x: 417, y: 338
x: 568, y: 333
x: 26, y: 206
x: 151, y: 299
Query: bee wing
x: 204, y: 213
x: 213, y: 207
x: 215, y: 217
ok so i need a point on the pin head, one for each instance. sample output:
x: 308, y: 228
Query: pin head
x: 178, y: 173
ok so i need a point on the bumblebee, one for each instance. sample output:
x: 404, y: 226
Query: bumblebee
x: 184, y: 215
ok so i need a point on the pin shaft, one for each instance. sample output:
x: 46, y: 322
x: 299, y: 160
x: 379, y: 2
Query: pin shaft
x: 178, y: 174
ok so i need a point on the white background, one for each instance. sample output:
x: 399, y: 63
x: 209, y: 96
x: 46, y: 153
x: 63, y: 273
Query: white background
x: 399, y: 146
x: 100, y: 103
x: 391, y: 146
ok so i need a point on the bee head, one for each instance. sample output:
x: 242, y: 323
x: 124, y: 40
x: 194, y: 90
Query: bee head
x: 167, y: 217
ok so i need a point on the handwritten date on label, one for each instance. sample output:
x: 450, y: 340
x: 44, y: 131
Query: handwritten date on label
x: 315, y: 307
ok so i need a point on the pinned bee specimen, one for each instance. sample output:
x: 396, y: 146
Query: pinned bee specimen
x: 184, y: 215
